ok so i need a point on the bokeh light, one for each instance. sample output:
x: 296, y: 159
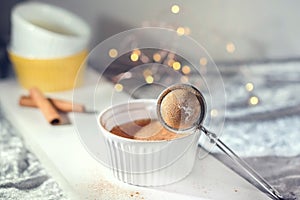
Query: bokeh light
x: 186, y: 69
x: 149, y: 79
x: 118, y: 87
x: 253, y: 100
x: 249, y: 87
x: 134, y: 57
x: 157, y: 57
x: 203, y: 61
x: 175, y: 9
x: 214, y: 112
x: 230, y: 47
x: 180, y: 31
x: 113, y: 53
x: 176, y: 66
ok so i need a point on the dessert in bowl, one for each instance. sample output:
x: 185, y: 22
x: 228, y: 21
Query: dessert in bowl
x: 142, y: 152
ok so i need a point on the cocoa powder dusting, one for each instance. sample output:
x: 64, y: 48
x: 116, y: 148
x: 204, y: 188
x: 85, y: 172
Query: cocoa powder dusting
x: 107, y: 190
x: 144, y: 129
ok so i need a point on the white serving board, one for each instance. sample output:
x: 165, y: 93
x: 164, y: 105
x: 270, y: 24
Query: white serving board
x: 61, y: 152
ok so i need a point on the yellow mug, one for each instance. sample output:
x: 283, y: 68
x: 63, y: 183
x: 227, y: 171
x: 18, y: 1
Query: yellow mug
x: 50, y: 75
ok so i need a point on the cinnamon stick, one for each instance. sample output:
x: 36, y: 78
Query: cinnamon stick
x: 61, y: 105
x: 45, y: 106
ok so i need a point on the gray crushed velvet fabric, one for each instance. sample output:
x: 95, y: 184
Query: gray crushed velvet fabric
x: 267, y: 134
x: 21, y: 174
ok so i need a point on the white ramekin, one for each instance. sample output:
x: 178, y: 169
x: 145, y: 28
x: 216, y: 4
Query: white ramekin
x: 141, y: 162
x: 44, y: 31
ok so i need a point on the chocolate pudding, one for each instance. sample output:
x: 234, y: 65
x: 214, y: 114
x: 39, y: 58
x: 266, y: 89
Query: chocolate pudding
x: 144, y: 129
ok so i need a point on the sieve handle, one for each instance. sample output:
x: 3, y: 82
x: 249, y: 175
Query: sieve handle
x: 273, y: 193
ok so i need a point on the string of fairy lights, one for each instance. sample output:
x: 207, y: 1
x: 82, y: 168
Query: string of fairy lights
x: 169, y: 59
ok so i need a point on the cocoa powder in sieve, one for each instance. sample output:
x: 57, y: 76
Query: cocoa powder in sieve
x: 180, y: 109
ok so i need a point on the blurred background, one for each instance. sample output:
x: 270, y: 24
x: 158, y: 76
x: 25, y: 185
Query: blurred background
x: 233, y: 31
